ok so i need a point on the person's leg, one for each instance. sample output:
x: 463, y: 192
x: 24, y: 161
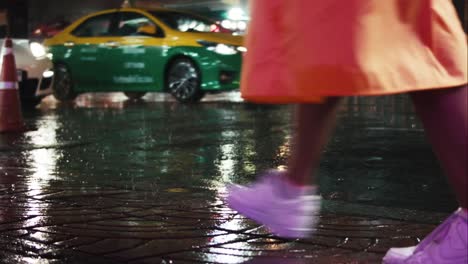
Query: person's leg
x: 444, y: 114
x: 280, y: 200
x: 314, y: 123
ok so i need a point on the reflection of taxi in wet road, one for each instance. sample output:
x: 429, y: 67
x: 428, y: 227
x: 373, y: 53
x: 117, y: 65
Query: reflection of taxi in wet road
x: 137, y: 51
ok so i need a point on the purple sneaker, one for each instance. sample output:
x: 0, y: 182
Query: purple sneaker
x: 447, y: 244
x: 288, y: 216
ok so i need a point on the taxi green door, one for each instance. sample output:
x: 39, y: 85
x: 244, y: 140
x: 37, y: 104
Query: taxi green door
x: 132, y: 57
x: 85, y: 48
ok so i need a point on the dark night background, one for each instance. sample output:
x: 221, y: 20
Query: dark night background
x: 24, y: 15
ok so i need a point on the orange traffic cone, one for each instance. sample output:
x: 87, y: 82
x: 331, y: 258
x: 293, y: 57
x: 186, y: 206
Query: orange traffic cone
x: 11, y: 118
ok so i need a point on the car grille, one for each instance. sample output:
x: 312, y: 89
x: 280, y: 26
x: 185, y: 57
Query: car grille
x: 45, y: 83
x: 27, y: 88
x: 21, y: 75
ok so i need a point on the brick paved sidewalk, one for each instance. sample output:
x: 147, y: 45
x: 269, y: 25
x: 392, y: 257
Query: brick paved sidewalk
x: 111, y: 225
x: 107, y: 180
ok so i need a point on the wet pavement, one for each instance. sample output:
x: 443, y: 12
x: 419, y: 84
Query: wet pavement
x: 108, y: 180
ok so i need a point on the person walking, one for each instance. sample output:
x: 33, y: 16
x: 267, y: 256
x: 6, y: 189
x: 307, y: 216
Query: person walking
x: 314, y: 53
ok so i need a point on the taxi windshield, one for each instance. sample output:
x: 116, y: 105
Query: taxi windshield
x: 185, y: 22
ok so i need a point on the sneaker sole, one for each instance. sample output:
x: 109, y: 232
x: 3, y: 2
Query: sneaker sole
x: 259, y: 217
x: 398, y: 255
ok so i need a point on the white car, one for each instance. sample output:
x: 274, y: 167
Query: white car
x: 34, y: 70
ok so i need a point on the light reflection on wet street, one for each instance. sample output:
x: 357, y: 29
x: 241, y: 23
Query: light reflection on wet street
x: 109, y: 180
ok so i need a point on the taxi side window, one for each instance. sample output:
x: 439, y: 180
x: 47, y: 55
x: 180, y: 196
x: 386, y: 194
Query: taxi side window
x: 130, y: 22
x: 98, y: 26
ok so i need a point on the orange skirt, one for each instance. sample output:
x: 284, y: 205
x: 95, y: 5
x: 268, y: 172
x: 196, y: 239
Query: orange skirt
x: 303, y: 50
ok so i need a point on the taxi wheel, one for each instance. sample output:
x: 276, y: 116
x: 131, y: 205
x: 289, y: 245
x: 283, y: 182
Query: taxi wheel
x: 183, y: 81
x: 62, y: 87
x: 134, y: 95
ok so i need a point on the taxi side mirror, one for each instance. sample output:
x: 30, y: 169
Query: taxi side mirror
x: 147, y: 30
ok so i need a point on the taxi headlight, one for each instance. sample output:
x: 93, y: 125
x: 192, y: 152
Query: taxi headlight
x: 242, y: 49
x: 37, y: 49
x: 221, y: 48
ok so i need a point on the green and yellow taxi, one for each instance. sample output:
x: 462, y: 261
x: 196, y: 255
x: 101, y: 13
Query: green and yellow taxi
x: 136, y: 51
